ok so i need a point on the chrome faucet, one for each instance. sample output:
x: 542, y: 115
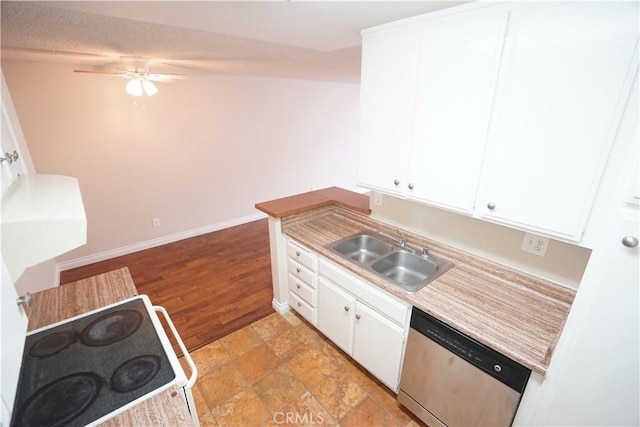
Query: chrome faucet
x: 403, y: 241
x: 425, y: 252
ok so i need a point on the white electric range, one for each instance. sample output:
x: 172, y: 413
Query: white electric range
x: 87, y: 369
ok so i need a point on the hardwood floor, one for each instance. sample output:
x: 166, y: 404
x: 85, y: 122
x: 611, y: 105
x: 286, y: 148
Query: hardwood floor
x: 211, y: 285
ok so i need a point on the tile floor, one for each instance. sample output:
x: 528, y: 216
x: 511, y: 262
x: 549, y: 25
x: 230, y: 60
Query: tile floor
x: 280, y: 371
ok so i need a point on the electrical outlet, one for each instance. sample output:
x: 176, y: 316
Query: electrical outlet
x: 377, y: 199
x: 536, y: 245
x: 155, y: 222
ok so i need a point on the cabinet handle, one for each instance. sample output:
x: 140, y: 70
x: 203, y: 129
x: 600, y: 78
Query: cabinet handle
x: 297, y: 270
x: 299, y: 304
x: 25, y: 300
x: 358, y: 316
x: 297, y: 253
x: 410, y: 186
x: 630, y: 241
x: 491, y: 206
x: 346, y: 308
x: 9, y: 157
x: 396, y: 182
x: 298, y: 286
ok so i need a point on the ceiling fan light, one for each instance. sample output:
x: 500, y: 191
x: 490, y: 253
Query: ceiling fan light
x: 134, y: 87
x: 149, y: 88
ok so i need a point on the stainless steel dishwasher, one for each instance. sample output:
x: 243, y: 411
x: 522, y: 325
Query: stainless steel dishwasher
x: 449, y: 379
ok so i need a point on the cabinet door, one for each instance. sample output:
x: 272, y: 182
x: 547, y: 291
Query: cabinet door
x: 459, y: 59
x: 335, y: 314
x: 378, y: 345
x: 386, y: 104
x: 566, y: 74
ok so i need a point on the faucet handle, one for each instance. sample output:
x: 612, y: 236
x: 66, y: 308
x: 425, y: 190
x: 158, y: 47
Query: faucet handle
x: 425, y: 251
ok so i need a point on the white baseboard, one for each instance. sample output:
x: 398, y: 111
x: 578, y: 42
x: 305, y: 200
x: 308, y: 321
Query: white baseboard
x: 136, y: 247
x: 281, y: 308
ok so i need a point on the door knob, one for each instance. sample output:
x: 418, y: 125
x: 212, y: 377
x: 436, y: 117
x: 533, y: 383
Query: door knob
x: 630, y: 241
x: 410, y: 186
x: 396, y: 182
x: 491, y: 206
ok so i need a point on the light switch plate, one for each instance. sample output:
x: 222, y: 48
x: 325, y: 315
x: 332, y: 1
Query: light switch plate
x: 534, y: 244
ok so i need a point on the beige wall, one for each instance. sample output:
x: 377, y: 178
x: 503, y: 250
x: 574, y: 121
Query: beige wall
x: 563, y: 263
x: 199, y: 156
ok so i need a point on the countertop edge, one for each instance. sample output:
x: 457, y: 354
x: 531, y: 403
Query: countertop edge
x: 299, y: 203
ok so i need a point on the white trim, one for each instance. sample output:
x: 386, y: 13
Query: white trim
x: 281, y: 308
x: 136, y: 247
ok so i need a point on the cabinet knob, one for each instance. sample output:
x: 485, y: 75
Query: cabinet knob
x: 630, y: 241
x: 491, y: 206
x: 297, y: 270
x: 358, y: 316
x: 299, y: 304
x: 346, y: 308
x: 298, y: 285
x: 297, y: 253
x: 410, y: 186
x: 396, y: 182
x: 25, y: 300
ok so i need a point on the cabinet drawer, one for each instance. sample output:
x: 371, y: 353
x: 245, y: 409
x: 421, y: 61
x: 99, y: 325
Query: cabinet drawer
x: 304, y: 309
x: 303, y: 290
x: 366, y: 292
x: 302, y: 255
x: 302, y: 273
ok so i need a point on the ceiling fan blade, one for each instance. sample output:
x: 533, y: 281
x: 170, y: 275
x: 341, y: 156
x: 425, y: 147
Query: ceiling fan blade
x: 98, y: 72
x: 165, y: 77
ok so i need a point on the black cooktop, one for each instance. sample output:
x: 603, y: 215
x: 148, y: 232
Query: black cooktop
x: 77, y: 372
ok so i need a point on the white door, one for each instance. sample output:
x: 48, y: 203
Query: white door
x: 335, y: 314
x: 13, y: 326
x: 378, y: 345
x: 17, y: 159
x: 459, y: 59
x: 566, y: 73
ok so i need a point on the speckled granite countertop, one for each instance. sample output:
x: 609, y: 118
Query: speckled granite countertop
x: 516, y: 314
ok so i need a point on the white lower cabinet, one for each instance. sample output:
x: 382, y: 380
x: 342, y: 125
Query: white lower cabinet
x: 335, y: 319
x: 302, y: 276
x: 366, y: 323
x: 378, y: 345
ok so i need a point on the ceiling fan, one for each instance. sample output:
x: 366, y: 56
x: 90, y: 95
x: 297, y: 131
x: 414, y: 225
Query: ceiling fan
x: 140, y: 80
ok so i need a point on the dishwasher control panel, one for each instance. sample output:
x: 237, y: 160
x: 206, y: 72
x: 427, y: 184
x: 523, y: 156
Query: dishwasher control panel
x: 488, y: 360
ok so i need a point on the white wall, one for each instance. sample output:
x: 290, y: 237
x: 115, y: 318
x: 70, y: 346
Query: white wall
x: 199, y: 156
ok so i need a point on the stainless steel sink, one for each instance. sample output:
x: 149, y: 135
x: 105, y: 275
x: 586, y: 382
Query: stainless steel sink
x: 391, y: 259
x: 362, y: 247
x: 409, y: 271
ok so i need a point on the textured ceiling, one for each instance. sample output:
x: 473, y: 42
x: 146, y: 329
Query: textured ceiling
x: 301, y: 40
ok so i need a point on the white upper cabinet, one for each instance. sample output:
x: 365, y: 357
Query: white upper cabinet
x: 387, y: 96
x: 506, y: 112
x: 426, y: 100
x: 459, y: 58
x: 566, y: 75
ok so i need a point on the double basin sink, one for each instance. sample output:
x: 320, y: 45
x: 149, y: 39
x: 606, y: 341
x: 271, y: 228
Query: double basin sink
x: 391, y: 259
